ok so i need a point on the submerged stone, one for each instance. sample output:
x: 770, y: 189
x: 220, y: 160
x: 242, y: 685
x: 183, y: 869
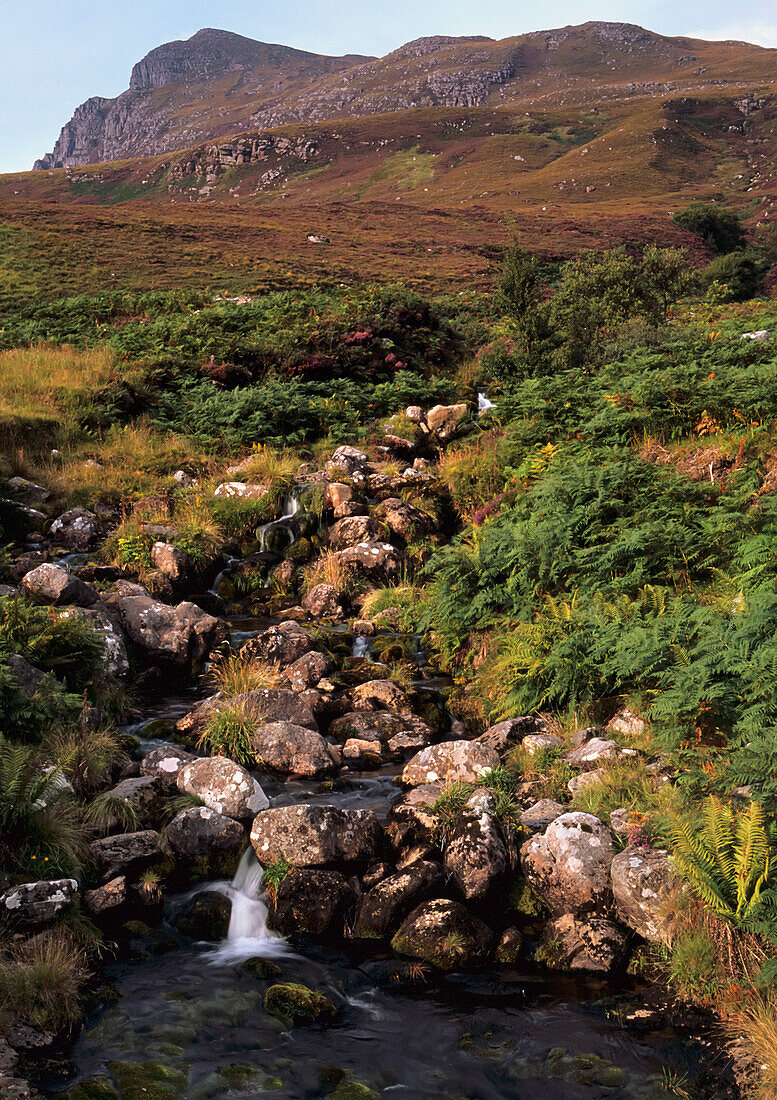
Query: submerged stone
x: 298, y: 1004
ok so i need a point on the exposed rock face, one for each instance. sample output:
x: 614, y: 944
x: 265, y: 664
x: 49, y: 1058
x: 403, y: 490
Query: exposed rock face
x: 316, y: 836
x: 450, y: 762
x: 643, y: 882
x: 183, y: 635
x: 291, y: 750
x: 375, y: 559
x: 594, y: 945
x: 279, y: 645
x: 403, y: 519
x: 353, y: 529
x: 385, y: 905
x: 125, y: 854
x: 36, y: 904
x: 311, y: 901
x: 164, y: 763
x: 223, y: 786
x: 53, y: 585
x: 323, y: 601
x: 445, y: 934
x: 568, y: 865
x: 78, y: 529
x: 510, y: 732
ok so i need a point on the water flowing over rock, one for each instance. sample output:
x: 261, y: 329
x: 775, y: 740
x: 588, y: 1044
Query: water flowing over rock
x: 568, y: 865
x: 316, y: 836
x: 224, y: 786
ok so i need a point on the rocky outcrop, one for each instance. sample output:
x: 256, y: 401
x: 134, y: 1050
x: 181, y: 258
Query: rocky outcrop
x: 183, y: 635
x: 289, y: 749
x: 644, y: 882
x: 316, y: 836
x: 36, y: 904
x: 450, y: 762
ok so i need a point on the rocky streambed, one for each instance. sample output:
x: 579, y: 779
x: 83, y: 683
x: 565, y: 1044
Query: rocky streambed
x: 365, y: 909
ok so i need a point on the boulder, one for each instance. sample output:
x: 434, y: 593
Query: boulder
x: 627, y: 723
x: 541, y: 814
x: 377, y: 560
x: 164, y: 763
x: 260, y: 706
x: 403, y: 519
x: 323, y: 602
x: 445, y: 421
x: 224, y: 786
x: 568, y: 866
x: 140, y: 793
x: 594, y: 945
x: 172, y: 561
x: 450, y: 762
x: 312, y: 901
x: 290, y: 749
x: 411, y: 821
x: 79, y: 529
x: 316, y: 836
x: 200, y: 831
x: 383, y: 908
x: 476, y: 856
x: 240, y: 490
x: 206, y: 916
x: 585, y: 780
x: 308, y: 670
x: 350, y: 459
x: 125, y: 854
x: 363, y: 751
x: 37, y: 904
x: 28, y: 491
x: 510, y: 947
x: 380, y: 725
x: 53, y: 585
x: 444, y: 934
x: 106, y: 900
x: 182, y: 635
x: 353, y: 529
x: 537, y: 742
x: 644, y: 882
x: 27, y: 677
x: 380, y: 695
x: 343, y: 500
x: 297, y: 1006
x: 280, y: 645
x: 505, y: 735
x: 592, y: 752
x: 115, y: 658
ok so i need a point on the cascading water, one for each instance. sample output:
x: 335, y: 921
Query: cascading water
x: 248, y: 932
x: 484, y: 405
x: 361, y: 648
x: 290, y: 508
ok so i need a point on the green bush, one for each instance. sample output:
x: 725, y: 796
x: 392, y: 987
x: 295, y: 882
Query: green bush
x: 738, y: 275
x: 718, y: 227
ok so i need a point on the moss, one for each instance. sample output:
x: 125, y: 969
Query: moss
x: 300, y: 551
x: 262, y: 968
x: 522, y: 899
x: 94, y: 1088
x: 272, y: 1084
x: 298, y: 1004
x: 150, y: 1080
x: 353, y: 1090
x: 585, y: 1069
x: 239, y: 1075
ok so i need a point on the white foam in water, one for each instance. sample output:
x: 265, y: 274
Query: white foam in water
x: 248, y: 933
x: 483, y: 403
x: 290, y: 509
x: 361, y: 647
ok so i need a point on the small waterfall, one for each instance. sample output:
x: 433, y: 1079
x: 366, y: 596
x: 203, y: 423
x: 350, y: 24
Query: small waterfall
x: 248, y: 933
x: 483, y: 403
x: 225, y: 572
x: 290, y: 508
x: 361, y: 648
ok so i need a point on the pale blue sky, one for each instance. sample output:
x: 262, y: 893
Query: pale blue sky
x: 54, y: 54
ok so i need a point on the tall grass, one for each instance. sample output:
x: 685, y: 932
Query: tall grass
x: 230, y: 674
x: 40, y: 980
x: 45, y: 380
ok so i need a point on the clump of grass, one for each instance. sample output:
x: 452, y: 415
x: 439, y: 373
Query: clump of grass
x: 329, y: 569
x: 546, y: 768
x: 230, y: 674
x: 175, y: 806
x: 405, y: 597
x: 40, y: 981
x: 755, y: 1023
x: 270, y: 466
x: 229, y: 732
x: 622, y: 785
x: 85, y: 756
x: 693, y: 967
x: 474, y: 473
x: 450, y: 807
x: 110, y: 813
x: 274, y: 875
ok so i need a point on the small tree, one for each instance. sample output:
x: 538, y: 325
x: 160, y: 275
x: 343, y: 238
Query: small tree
x: 738, y: 273
x: 665, y: 278
x: 717, y: 226
x: 520, y: 282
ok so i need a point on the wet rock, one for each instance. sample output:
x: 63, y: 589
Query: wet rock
x: 262, y: 968
x: 403, y: 519
x: 446, y: 420
x: 172, y: 561
x: 279, y: 645
x: 53, y: 585
x: 363, y: 628
x: 505, y: 735
x: 107, y: 900
x: 380, y: 725
x: 314, y: 902
x: 380, y: 695
x: 36, y: 904
x: 411, y: 821
x: 290, y: 749
x: 593, y: 944
x: 377, y: 560
x: 309, y: 670
x: 201, y: 832
x: 205, y: 917
x: 115, y: 658
x: 183, y: 635
x: 476, y: 856
x: 323, y: 602
x: 352, y: 530
x: 510, y: 947
x: 450, y: 762
x: 644, y: 882
x: 568, y: 866
x: 164, y: 763
x: 316, y: 836
x: 78, y: 529
x: 537, y: 742
x: 240, y: 490
x: 383, y: 908
x: 297, y: 1005
x: 125, y: 854
x: 223, y: 786
x: 445, y: 934
x: 592, y: 752
x: 541, y: 814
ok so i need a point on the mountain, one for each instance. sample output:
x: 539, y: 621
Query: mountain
x: 217, y: 84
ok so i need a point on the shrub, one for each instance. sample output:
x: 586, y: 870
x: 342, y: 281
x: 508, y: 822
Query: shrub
x: 718, y: 227
x: 737, y: 276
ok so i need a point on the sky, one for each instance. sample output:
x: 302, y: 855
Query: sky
x: 54, y: 54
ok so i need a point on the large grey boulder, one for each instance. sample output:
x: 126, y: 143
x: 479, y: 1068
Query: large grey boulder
x: 644, y: 881
x: 385, y: 726
x: 51, y: 584
x: 36, y: 904
x: 403, y: 519
x: 78, y: 529
x: 164, y: 763
x: 279, y: 645
x: 383, y: 908
x: 261, y: 706
x: 510, y: 732
x: 289, y: 749
x: 316, y: 836
x: 183, y: 635
x: 125, y: 854
x: 200, y: 831
x: 476, y: 855
x: 445, y: 934
x: 445, y: 421
x: 594, y: 945
x: 353, y: 529
x: 224, y: 786
x: 568, y: 865
x: 450, y: 762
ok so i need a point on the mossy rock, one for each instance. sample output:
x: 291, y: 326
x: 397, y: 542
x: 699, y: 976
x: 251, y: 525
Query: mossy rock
x: 262, y: 968
x: 238, y: 1075
x: 205, y: 917
x: 353, y: 1090
x: 150, y: 1080
x: 94, y: 1088
x: 300, y: 551
x: 298, y: 1004
x: 584, y: 1069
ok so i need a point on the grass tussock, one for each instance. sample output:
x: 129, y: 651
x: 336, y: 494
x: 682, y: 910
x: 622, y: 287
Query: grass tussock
x: 753, y: 1027
x: 230, y: 674
x: 40, y: 980
x: 329, y: 569
x: 229, y: 733
x: 270, y: 466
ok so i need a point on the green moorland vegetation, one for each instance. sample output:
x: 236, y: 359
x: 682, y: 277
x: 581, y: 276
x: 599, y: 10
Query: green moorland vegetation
x: 615, y: 546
